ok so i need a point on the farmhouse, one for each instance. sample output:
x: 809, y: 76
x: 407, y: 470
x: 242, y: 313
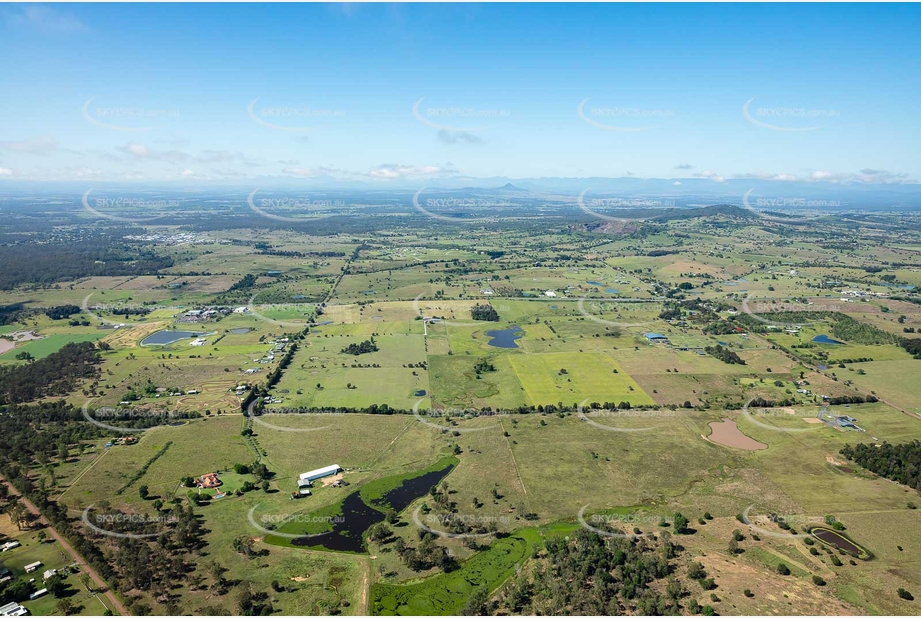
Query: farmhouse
x: 10, y: 545
x: 38, y: 593
x: 656, y: 338
x: 209, y: 481
x: 33, y: 566
x: 319, y: 473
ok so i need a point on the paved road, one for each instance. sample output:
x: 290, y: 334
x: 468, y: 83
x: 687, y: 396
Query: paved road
x: 116, y: 603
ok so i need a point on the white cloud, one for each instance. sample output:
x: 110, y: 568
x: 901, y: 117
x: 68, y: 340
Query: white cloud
x: 677, y: 183
x: 302, y: 172
x: 458, y: 137
x: 45, y: 19
x: 768, y: 176
x: 711, y: 175
x: 36, y: 146
x: 225, y: 156
x: 5, y: 172
x: 142, y: 152
x: 186, y: 172
x: 390, y: 171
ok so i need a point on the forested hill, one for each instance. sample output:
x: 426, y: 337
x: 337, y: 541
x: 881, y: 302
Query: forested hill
x: 56, y: 374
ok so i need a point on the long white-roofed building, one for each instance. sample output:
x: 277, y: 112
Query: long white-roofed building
x: 319, y: 473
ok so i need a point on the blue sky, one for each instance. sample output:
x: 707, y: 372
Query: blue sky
x: 234, y: 92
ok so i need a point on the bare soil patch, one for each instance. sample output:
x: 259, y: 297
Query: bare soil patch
x: 728, y: 433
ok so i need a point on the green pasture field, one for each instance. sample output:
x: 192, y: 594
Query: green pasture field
x: 320, y: 361
x: 40, y: 348
x: 446, y: 594
x: 454, y: 382
x: 887, y: 380
x: 588, y: 376
x: 198, y: 447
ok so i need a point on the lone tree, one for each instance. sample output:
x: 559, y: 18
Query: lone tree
x: 681, y: 523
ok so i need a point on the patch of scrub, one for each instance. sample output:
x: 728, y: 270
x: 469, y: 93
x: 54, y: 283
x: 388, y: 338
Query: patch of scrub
x: 727, y: 433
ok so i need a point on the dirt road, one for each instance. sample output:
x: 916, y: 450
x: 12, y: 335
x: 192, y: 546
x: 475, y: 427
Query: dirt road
x: 113, y: 600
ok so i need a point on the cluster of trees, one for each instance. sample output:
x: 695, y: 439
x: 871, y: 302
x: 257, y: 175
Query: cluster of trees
x: 897, y: 462
x: 131, y: 311
x: 724, y: 354
x: 62, y: 311
x: 587, y: 574
x: 426, y: 555
x: 848, y: 399
x: 365, y: 347
x: 912, y: 346
x: 483, y: 366
x: 12, y: 313
x: 487, y: 313
x: 247, y: 282
x: 56, y: 374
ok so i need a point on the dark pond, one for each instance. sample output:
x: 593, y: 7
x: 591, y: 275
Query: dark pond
x: 166, y: 337
x: 826, y: 339
x: 595, y: 283
x: 833, y: 538
x: 505, y: 338
x: 611, y: 291
x: 357, y: 516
